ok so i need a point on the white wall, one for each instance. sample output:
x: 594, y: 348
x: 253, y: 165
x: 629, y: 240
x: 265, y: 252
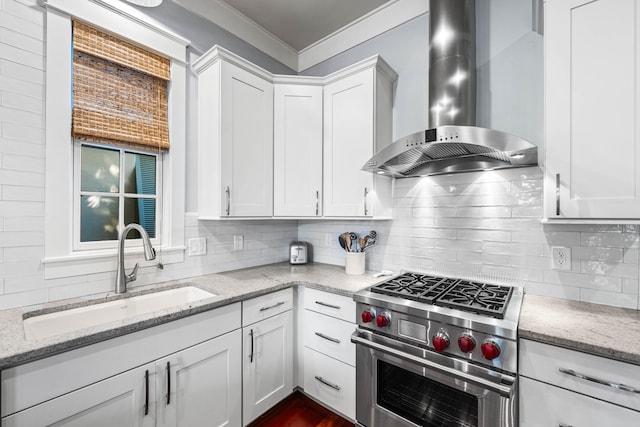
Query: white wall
x: 22, y: 80
x: 487, y: 226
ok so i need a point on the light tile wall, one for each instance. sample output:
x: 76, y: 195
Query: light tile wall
x: 22, y: 79
x: 488, y: 226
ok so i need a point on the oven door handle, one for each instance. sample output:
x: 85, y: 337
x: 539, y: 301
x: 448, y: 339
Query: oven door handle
x: 503, y: 390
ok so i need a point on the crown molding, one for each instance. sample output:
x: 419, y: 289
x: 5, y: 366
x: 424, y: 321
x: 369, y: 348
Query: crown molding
x: 244, y: 28
x: 376, y: 22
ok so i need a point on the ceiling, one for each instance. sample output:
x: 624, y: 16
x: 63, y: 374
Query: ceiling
x: 303, y: 33
x: 301, y: 23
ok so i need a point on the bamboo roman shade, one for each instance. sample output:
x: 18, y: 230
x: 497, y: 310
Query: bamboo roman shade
x: 119, y: 91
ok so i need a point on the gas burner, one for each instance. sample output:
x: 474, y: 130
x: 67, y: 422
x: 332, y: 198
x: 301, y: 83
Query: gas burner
x: 481, y: 298
x: 414, y: 286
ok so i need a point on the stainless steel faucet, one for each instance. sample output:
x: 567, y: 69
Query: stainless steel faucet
x: 149, y: 253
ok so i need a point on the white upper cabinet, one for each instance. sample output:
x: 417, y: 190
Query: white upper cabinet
x: 297, y: 162
x: 592, y: 164
x: 235, y: 137
x: 357, y: 123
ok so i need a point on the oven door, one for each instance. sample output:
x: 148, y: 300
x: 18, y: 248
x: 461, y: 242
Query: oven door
x: 406, y: 386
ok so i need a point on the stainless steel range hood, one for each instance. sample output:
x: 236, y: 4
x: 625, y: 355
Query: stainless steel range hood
x: 454, y: 144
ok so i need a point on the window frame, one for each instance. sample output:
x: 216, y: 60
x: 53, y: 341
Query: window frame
x: 79, y: 245
x: 61, y: 259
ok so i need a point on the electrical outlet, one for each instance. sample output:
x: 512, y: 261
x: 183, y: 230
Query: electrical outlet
x: 238, y: 243
x: 197, y: 246
x: 560, y: 258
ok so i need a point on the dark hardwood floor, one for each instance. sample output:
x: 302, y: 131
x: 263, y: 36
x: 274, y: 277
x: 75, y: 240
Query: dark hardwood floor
x: 298, y: 410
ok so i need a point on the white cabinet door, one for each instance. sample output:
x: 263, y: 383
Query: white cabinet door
x: 201, y: 385
x: 348, y: 144
x: 297, y: 161
x: 247, y: 143
x: 545, y: 405
x: 127, y: 399
x: 592, y: 164
x: 267, y: 364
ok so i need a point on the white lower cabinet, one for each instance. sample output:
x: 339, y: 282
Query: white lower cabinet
x: 560, y: 387
x: 173, y: 374
x: 199, y: 386
x: 117, y: 401
x: 546, y: 405
x: 329, y: 355
x: 267, y: 359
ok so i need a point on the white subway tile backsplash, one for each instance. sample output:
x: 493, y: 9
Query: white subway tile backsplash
x: 20, y: 41
x: 631, y: 256
x: 17, y: 22
x: 617, y: 269
x: 615, y: 240
x: 630, y: 286
x: 30, y: 10
x: 597, y: 253
x: 617, y: 299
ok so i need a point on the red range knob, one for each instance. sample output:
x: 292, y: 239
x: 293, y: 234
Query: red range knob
x: 383, y: 320
x: 466, y: 343
x: 490, y: 349
x: 440, y: 341
x: 368, y: 316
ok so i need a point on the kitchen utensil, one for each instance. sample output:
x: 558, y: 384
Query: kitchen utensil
x: 353, y: 245
x: 362, y: 241
x: 343, y: 240
x: 370, y: 242
x: 373, y: 234
x: 346, y: 237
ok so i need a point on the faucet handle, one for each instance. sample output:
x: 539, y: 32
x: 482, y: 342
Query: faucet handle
x: 132, y: 276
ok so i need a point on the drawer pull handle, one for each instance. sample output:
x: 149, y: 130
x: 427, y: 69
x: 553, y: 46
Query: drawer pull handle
x: 321, y: 335
x: 278, y: 304
x: 251, y: 355
x: 327, y: 383
x: 324, y: 304
x: 565, y: 425
x: 146, y: 392
x: 168, y: 383
x: 617, y: 386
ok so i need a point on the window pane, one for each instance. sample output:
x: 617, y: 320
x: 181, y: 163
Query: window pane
x: 139, y: 174
x: 143, y: 212
x: 98, y: 218
x: 100, y: 169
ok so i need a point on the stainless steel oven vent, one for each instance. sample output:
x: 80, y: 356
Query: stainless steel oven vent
x: 454, y: 144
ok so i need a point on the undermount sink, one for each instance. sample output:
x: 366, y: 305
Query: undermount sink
x: 64, y: 321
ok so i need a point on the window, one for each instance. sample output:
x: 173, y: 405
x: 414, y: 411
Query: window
x: 62, y: 238
x: 120, y: 101
x: 113, y: 187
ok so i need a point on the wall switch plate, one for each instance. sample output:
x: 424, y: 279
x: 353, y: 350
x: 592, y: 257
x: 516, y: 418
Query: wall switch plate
x: 560, y: 258
x: 197, y: 246
x: 238, y: 243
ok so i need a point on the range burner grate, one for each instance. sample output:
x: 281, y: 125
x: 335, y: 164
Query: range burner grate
x: 480, y: 298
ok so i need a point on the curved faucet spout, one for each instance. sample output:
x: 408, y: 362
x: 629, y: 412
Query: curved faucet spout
x: 122, y: 278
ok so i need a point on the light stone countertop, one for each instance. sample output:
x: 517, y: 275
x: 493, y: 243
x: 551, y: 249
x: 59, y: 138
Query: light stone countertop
x: 229, y: 287
x: 596, y: 329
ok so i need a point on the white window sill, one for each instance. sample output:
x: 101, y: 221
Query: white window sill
x: 100, y: 261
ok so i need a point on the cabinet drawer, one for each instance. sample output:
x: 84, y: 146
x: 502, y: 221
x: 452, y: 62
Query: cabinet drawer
x: 265, y: 306
x: 543, y: 362
x: 330, y: 336
x: 545, y: 405
x: 331, y: 382
x: 330, y: 304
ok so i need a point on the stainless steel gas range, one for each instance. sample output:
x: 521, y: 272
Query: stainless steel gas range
x: 436, y: 351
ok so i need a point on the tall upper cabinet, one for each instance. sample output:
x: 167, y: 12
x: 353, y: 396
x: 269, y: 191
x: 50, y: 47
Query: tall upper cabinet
x: 358, y: 105
x: 297, y: 147
x: 235, y: 137
x: 592, y: 163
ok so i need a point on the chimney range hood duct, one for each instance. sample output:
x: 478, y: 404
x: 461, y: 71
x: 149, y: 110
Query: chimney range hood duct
x: 454, y: 144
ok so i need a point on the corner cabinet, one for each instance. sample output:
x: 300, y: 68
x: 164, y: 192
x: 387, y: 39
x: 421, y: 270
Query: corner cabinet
x: 297, y: 160
x: 358, y: 105
x: 592, y: 74
x: 235, y: 137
